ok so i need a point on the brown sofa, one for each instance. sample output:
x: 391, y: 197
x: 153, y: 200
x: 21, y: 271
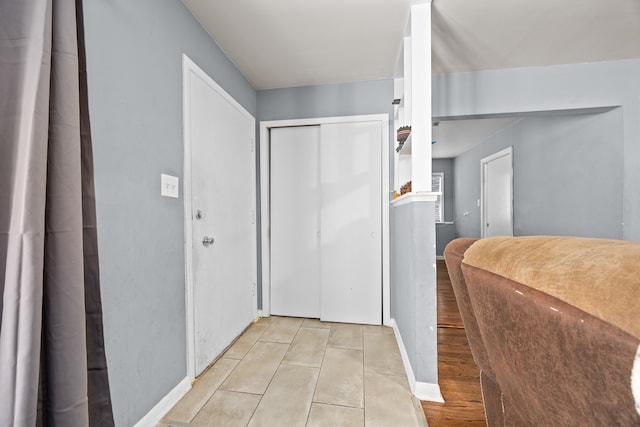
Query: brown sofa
x: 554, y: 325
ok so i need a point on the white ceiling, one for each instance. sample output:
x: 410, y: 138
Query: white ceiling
x: 284, y: 43
x: 287, y: 43
x: 470, y: 35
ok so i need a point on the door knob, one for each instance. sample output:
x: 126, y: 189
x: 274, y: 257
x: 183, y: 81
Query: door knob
x: 207, y: 241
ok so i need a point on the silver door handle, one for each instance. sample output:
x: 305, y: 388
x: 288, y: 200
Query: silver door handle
x: 207, y: 241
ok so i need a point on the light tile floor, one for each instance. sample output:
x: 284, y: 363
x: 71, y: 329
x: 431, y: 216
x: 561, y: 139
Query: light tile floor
x: 285, y: 371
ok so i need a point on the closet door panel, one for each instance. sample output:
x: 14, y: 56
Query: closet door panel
x: 295, y: 208
x: 351, y: 222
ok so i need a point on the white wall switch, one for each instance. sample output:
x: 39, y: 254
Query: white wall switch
x: 169, y: 186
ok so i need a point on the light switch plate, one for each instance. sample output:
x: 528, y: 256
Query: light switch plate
x: 169, y: 186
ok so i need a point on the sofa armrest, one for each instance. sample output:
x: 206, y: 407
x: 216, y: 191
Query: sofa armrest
x: 558, y: 320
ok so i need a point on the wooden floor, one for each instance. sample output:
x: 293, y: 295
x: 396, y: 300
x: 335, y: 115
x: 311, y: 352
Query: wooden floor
x: 457, y: 372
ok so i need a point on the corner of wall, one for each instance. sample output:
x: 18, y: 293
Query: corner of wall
x: 421, y: 390
x: 156, y: 413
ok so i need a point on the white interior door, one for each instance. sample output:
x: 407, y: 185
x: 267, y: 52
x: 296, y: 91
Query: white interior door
x: 295, y: 209
x: 497, y: 194
x: 351, y: 222
x: 222, y: 208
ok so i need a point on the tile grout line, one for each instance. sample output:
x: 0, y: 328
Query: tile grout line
x: 274, y: 373
x: 364, y: 381
x: 232, y: 370
x: 216, y: 389
x: 315, y: 389
x: 253, y: 413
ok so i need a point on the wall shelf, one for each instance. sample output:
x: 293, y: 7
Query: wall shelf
x: 420, y: 196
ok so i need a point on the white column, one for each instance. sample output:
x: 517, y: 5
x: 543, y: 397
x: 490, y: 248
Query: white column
x: 420, y: 95
x: 408, y: 106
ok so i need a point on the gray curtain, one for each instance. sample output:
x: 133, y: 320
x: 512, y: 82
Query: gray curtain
x: 52, y: 361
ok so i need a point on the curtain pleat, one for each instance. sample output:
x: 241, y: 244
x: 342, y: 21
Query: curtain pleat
x: 100, y: 409
x: 25, y: 36
x: 52, y: 360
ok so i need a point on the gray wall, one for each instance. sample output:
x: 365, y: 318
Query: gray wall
x: 414, y: 286
x: 556, y: 88
x: 446, y: 232
x: 134, y: 53
x: 343, y: 99
x: 567, y: 176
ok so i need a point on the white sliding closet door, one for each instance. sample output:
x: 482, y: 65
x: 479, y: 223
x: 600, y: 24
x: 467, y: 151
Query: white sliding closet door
x: 326, y: 222
x: 351, y: 222
x: 295, y: 210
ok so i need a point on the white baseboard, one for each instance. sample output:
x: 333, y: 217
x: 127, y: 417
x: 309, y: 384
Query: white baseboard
x: 421, y: 390
x: 428, y: 391
x: 160, y: 410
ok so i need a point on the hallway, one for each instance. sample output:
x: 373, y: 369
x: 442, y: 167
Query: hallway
x: 286, y: 371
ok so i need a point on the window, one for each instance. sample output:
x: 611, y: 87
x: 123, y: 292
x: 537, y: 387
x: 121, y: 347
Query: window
x: 437, y: 186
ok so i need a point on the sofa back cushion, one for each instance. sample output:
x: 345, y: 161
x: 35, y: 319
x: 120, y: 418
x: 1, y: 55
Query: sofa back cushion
x: 601, y: 277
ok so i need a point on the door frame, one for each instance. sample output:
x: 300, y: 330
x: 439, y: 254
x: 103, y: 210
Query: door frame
x: 265, y: 202
x: 188, y: 68
x: 483, y: 183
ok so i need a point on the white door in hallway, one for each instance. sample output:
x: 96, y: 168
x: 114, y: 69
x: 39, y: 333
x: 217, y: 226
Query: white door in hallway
x: 295, y: 222
x: 497, y: 194
x: 351, y: 222
x: 222, y: 217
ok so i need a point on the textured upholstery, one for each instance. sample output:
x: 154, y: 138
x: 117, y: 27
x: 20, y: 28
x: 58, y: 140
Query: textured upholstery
x: 601, y: 277
x: 552, y: 324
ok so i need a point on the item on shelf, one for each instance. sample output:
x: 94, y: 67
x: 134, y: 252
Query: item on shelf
x: 405, y: 188
x: 399, y: 147
x: 403, y: 133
